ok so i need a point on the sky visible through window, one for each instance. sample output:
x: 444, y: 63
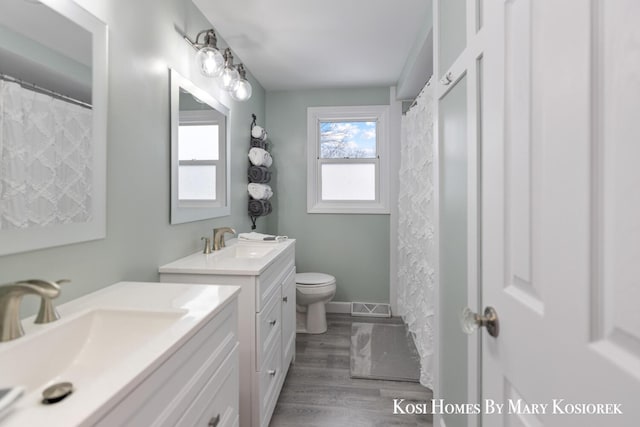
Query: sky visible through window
x: 354, y: 140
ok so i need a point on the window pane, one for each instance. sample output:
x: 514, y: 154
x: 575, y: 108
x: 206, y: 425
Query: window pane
x: 354, y: 140
x: 348, y: 181
x: 198, y: 142
x: 197, y: 182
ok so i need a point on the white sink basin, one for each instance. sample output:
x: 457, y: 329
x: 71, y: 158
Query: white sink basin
x: 246, y: 251
x: 80, y: 349
x: 105, y: 344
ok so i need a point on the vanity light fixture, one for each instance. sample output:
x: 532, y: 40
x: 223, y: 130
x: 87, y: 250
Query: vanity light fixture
x: 242, y: 91
x: 212, y: 63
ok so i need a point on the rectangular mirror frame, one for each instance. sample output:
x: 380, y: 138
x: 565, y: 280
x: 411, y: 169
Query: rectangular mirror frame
x: 27, y: 239
x: 182, y: 212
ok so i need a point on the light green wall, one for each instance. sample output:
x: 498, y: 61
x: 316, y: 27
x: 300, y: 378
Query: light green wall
x: 353, y: 248
x: 142, y: 45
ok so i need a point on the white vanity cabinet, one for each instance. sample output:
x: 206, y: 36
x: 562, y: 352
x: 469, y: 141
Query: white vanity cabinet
x: 267, y: 318
x: 197, y: 385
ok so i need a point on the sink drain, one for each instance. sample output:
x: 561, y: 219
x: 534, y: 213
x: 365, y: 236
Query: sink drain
x: 56, y: 392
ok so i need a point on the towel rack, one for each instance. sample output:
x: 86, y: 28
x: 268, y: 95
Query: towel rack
x: 255, y: 208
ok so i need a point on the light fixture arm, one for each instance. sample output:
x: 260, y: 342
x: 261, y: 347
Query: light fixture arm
x: 228, y: 58
x: 210, y: 40
x: 241, y: 71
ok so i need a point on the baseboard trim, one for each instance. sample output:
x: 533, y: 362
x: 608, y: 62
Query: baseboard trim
x: 338, y: 307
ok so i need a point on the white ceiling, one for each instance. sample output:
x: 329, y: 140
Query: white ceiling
x: 303, y: 44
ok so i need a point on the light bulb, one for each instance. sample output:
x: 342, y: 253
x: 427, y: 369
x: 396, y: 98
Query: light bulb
x: 242, y: 91
x: 210, y: 61
x: 229, y: 78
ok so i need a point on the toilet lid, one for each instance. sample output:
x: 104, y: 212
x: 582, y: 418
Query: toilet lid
x: 314, y: 279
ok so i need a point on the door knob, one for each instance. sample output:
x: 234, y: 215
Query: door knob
x: 471, y: 321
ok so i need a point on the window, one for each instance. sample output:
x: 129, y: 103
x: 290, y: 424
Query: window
x: 347, y: 166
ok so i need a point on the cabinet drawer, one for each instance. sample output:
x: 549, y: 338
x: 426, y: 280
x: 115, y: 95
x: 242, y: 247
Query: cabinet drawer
x: 218, y: 402
x: 161, y: 399
x: 269, y: 281
x: 268, y: 324
x: 289, y: 317
x: 270, y: 381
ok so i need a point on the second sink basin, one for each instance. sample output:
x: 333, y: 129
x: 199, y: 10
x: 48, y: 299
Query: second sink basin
x: 237, y: 258
x: 246, y: 251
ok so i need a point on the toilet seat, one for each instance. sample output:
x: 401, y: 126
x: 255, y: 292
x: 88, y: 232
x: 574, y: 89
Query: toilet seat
x: 314, y: 280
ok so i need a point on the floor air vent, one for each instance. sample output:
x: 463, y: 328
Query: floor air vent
x: 369, y: 309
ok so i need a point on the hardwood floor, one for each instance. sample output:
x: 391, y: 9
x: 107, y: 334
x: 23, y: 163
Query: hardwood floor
x: 318, y: 391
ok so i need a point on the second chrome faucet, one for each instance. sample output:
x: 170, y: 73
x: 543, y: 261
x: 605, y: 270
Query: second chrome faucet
x: 218, y: 237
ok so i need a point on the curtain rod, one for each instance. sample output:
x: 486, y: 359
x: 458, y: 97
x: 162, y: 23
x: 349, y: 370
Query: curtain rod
x: 45, y: 91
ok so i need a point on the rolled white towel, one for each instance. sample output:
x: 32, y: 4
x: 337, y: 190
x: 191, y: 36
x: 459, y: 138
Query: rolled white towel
x: 260, y: 191
x: 259, y: 133
x: 259, y: 237
x: 260, y: 157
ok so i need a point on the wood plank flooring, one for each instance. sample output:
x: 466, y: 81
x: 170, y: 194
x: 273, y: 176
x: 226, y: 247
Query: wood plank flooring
x: 318, y: 391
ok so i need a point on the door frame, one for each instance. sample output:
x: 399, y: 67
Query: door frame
x: 468, y: 64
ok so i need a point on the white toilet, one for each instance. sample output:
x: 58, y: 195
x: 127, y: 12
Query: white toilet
x: 313, y: 291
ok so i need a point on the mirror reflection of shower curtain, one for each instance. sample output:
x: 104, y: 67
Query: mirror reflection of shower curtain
x: 416, y: 248
x: 45, y: 159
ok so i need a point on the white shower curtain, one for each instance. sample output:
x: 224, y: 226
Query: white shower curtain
x: 416, y: 247
x: 45, y: 159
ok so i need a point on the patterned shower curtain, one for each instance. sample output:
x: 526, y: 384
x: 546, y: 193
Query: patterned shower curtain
x: 45, y: 159
x: 416, y: 247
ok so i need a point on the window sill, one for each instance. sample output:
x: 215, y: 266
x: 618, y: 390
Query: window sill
x: 348, y: 208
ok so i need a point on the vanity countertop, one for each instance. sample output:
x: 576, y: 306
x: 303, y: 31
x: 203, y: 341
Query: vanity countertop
x: 137, y: 326
x: 225, y: 262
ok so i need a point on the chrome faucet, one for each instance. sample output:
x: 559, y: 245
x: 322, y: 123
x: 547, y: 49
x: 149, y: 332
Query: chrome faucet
x: 11, y: 296
x: 218, y: 237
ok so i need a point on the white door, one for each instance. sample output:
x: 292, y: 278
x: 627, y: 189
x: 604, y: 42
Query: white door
x: 561, y: 211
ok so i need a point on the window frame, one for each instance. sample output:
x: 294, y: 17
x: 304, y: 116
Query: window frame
x: 374, y: 113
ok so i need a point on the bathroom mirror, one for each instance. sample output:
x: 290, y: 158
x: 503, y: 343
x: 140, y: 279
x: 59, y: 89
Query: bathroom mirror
x: 53, y: 117
x: 199, y: 153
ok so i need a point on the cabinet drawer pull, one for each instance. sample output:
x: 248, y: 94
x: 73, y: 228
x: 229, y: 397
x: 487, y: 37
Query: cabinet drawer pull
x: 272, y: 372
x: 213, y: 422
x: 273, y: 322
x: 285, y: 299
